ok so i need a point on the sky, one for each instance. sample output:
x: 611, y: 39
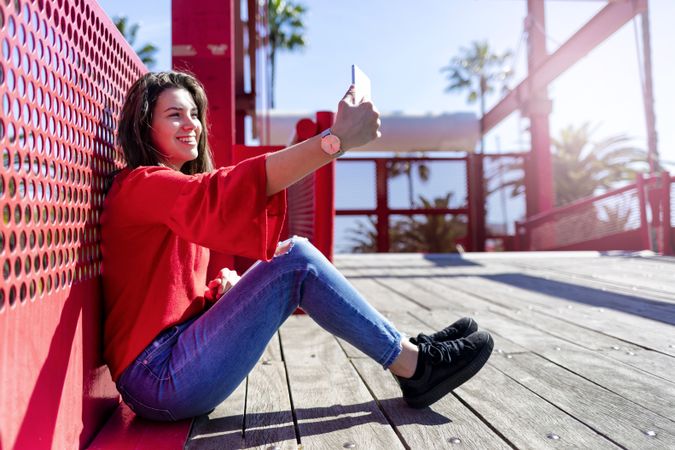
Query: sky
x: 402, y: 45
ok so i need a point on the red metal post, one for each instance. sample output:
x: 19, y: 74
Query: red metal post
x: 382, y: 206
x: 203, y: 43
x: 477, y: 231
x: 665, y: 237
x: 642, y: 202
x: 538, y: 110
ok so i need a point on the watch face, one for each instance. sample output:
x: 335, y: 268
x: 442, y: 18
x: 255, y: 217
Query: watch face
x: 330, y: 144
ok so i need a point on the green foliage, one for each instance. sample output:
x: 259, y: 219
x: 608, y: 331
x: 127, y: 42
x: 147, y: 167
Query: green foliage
x: 146, y: 52
x: 397, y: 168
x: 428, y: 233
x: 478, y: 70
x: 583, y: 167
x: 286, y: 29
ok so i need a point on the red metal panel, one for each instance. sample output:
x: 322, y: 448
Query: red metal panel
x: 126, y: 431
x: 64, y: 72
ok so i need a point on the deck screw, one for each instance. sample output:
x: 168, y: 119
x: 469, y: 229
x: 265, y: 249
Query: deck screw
x: 509, y: 356
x: 499, y: 350
x: 672, y: 346
x: 454, y: 440
x: 553, y: 436
x: 569, y: 306
x: 616, y: 347
x: 650, y: 433
x: 266, y: 362
x: 349, y: 445
x: 312, y: 355
x: 273, y: 447
x: 557, y: 348
x: 630, y: 353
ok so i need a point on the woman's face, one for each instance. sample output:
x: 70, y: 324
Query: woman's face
x: 175, y: 127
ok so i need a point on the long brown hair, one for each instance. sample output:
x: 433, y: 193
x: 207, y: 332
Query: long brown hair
x: 133, y: 130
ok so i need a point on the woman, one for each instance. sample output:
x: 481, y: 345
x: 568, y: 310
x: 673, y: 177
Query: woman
x: 177, y: 347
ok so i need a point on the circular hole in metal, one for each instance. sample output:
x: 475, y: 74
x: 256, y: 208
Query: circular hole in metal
x: 17, y: 267
x: 12, y: 241
x: 12, y: 296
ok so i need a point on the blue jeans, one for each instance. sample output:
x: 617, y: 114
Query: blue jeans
x: 192, y: 367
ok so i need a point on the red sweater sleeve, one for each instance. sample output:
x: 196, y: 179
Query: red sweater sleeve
x: 226, y: 210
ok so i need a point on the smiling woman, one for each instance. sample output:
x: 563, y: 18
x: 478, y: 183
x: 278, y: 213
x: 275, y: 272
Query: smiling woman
x: 176, y: 345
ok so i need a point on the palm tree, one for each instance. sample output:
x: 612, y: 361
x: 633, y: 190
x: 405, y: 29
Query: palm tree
x: 285, y: 31
x: 583, y: 167
x: 477, y: 70
x: 397, y: 168
x: 147, y: 52
x: 435, y: 233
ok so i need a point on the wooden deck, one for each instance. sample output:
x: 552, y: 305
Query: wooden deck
x: 584, y: 358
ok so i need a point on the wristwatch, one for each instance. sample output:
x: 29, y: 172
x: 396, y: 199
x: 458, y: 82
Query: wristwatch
x: 330, y: 144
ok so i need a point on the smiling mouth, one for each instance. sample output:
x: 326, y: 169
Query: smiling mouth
x: 187, y: 140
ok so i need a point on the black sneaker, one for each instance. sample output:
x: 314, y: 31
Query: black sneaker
x: 446, y: 365
x: 461, y: 328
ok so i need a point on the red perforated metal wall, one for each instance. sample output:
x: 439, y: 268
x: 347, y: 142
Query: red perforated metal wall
x: 63, y: 75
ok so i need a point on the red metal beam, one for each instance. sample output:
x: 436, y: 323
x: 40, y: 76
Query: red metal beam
x: 600, y: 27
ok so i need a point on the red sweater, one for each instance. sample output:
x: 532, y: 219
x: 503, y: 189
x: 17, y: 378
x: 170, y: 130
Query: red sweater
x: 156, y: 228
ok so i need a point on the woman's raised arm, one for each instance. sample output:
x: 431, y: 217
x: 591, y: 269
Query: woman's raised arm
x: 355, y: 125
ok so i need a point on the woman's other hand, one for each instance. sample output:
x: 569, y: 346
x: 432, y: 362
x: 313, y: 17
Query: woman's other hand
x: 221, y: 284
x: 356, y: 124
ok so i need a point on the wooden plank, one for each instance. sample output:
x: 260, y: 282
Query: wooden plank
x: 269, y: 420
x: 455, y: 299
x: 432, y: 427
x: 585, y: 296
x: 332, y: 405
x: 522, y: 417
x: 651, y: 392
x: 601, y: 278
x: 223, y: 427
x: 382, y: 298
x: 414, y: 289
x: 606, y: 412
x: 653, y: 334
x: 652, y: 362
x: 626, y: 274
x: 273, y: 350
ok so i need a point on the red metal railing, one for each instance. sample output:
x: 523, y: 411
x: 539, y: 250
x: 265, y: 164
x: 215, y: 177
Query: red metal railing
x: 472, y: 209
x: 633, y: 217
x: 382, y: 211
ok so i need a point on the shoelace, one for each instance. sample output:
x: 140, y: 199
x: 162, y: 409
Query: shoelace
x: 443, y: 352
x: 438, y: 336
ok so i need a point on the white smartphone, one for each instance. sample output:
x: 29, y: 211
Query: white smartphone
x: 362, y: 84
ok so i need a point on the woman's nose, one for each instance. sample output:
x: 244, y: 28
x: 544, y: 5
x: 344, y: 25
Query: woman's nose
x: 189, y: 124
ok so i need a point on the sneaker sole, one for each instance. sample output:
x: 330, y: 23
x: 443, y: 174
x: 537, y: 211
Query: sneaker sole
x: 449, y: 384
